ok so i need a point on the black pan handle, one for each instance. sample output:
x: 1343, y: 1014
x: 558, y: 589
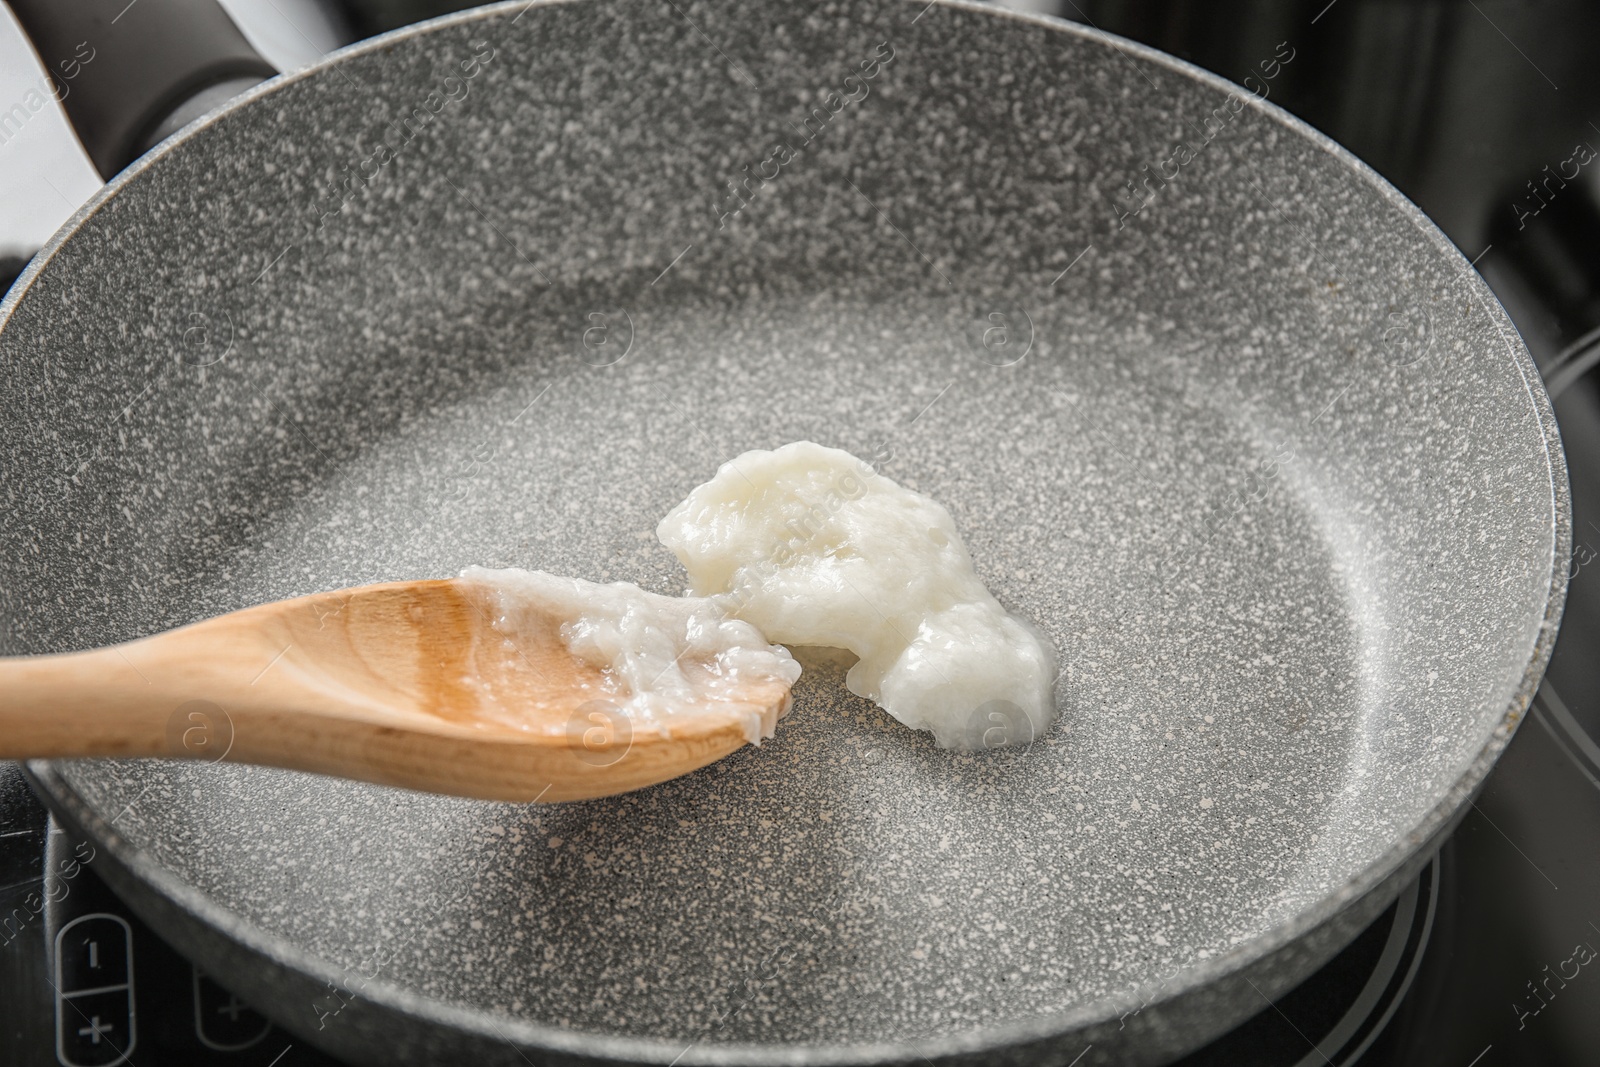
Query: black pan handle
x: 129, y: 74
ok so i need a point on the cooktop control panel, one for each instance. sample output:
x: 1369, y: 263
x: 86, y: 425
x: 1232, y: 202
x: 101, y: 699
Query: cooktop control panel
x: 85, y: 983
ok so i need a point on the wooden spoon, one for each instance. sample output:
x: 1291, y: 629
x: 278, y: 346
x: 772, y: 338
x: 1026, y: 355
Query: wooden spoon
x: 402, y: 683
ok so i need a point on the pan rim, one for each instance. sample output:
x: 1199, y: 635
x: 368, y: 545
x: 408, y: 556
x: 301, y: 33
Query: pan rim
x: 593, y: 1045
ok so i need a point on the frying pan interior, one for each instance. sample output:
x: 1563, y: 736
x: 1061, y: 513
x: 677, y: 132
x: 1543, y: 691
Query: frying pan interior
x: 1253, y: 446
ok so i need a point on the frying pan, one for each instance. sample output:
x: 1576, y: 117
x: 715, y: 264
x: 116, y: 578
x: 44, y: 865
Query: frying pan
x: 1211, y: 403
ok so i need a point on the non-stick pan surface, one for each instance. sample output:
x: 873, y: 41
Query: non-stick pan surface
x: 1259, y: 452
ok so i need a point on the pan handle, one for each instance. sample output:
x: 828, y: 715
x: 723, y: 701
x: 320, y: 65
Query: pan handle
x: 130, y: 74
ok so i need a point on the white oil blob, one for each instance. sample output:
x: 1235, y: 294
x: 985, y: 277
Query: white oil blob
x: 815, y: 548
x: 662, y: 657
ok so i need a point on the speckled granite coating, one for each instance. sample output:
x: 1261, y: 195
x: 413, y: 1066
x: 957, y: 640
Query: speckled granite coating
x: 1265, y: 460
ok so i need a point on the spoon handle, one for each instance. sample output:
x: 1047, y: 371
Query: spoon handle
x: 142, y: 698
x: 80, y: 704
